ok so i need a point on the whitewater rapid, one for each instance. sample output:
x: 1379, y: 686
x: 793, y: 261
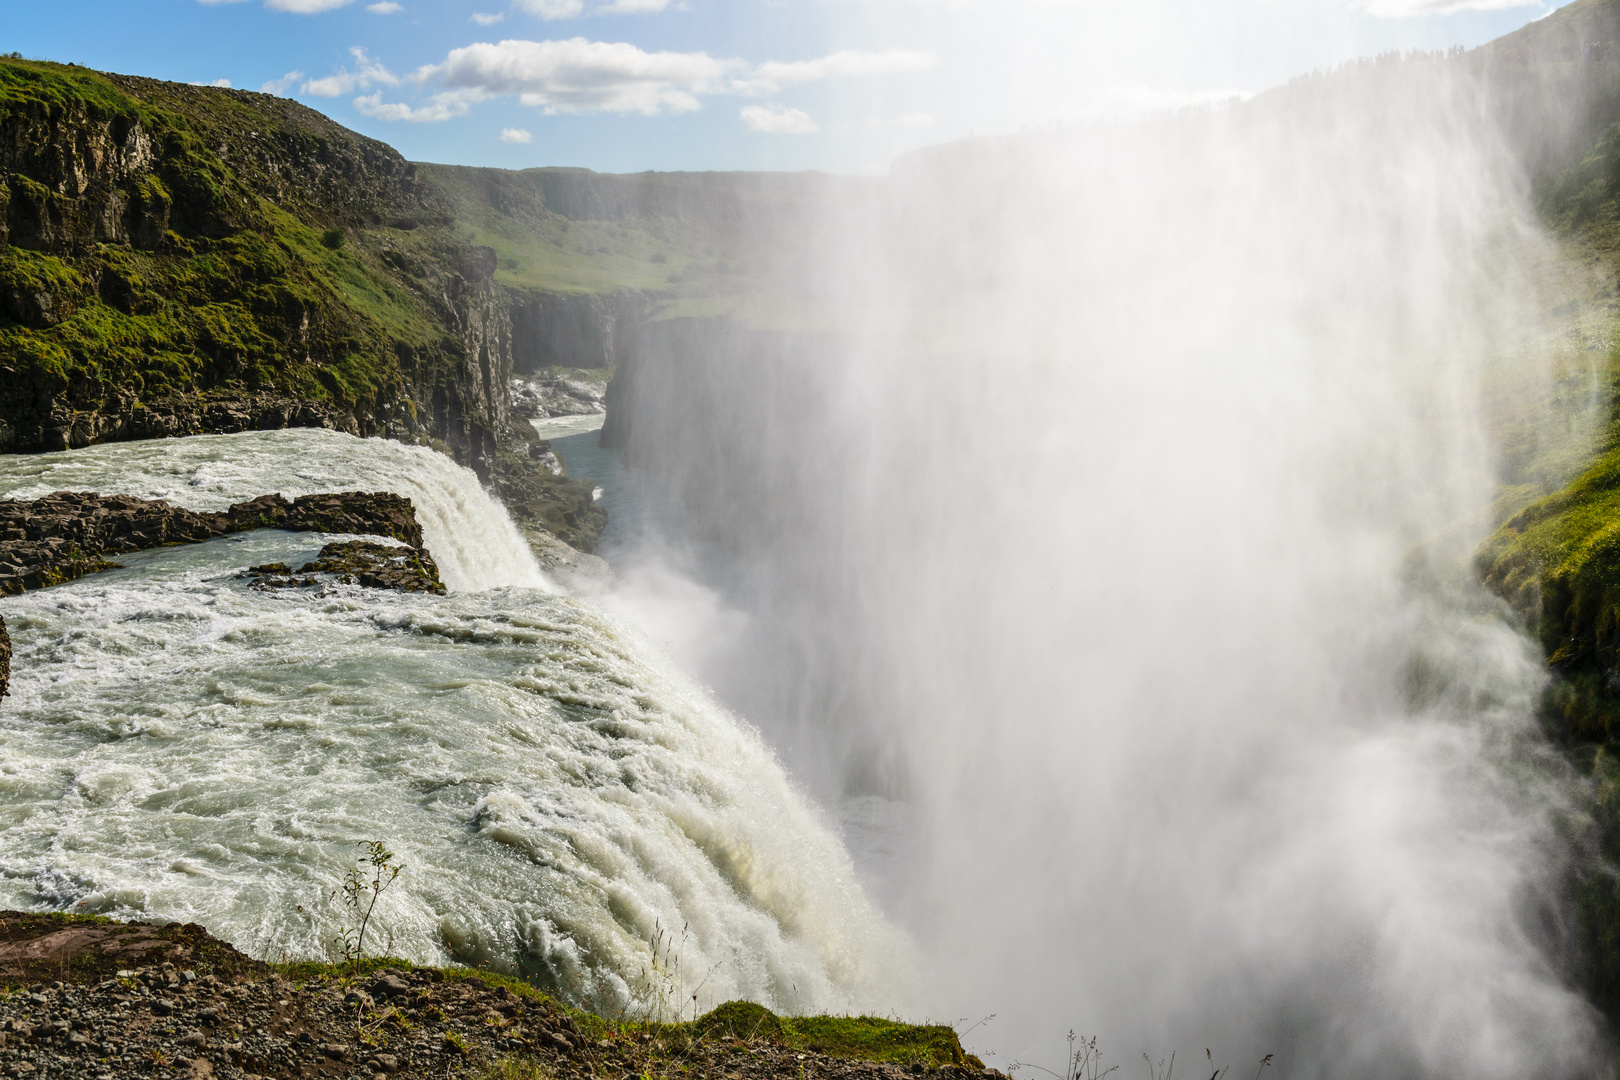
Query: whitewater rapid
x: 180, y: 746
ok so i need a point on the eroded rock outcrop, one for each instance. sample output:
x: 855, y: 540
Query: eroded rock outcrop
x: 67, y: 534
x: 356, y: 562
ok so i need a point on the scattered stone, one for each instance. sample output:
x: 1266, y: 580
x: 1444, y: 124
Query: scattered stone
x: 88, y: 1025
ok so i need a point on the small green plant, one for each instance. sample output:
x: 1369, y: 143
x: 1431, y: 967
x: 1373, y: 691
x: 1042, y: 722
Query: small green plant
x: 512, y: 1068
x: 362, y: 887
x: 332, y: 238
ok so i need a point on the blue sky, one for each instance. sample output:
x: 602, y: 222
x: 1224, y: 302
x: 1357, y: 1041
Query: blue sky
x: 625, y: 85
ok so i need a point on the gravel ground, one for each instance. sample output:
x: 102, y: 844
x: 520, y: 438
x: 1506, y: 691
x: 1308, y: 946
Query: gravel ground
x: 240, y: 1020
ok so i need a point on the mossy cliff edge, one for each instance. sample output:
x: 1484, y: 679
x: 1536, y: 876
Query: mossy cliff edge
x: 1554, y: 555
x: 85, y: 996
x: 178, y: 259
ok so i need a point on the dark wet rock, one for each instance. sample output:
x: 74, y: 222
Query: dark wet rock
x: 539, y: 498
x: 356, y: 562
x: 122, y: 418
x: 67, y: 534
x: 5, y: 660
x: 579, y: 573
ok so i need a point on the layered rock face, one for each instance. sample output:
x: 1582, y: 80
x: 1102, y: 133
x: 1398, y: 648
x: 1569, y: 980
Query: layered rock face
x: 67, y: 534
x: 573, y: 331
x: 177, y: 260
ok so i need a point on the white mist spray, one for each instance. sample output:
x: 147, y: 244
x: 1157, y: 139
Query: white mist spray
x: 1121, y: 535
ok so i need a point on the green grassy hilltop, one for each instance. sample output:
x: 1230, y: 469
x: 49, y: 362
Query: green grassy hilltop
x: 177, y: 259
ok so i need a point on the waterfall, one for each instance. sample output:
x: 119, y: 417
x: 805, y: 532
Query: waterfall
x: 470, y: 534
x: 181, y: 746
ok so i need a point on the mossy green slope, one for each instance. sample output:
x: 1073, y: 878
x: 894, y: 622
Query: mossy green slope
x: 150, y: 253
x: 166, y: 247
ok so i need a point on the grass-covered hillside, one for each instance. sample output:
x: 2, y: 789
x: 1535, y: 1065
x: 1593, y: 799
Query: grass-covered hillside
x: 161, y: 241
x: 1555, y: 554
x: 177, y: 259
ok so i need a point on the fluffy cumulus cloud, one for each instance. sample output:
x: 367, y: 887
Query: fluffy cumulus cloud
x: 577, y: 75
x: 365, y: 74
x: 778, y: 120
x: 484, y: 18
x: 279, y: 87
x: 225, y: 83
x: 437, y: 109
x: 551, y: 9
x: 516, y: 135
x: 385, y: 7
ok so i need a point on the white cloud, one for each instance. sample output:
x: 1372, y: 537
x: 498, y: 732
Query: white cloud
x: 1405, y: 9
x: 368, y: 73
x: 577, y: 75
x: 440, y: 107
x: 483, y: 18
x: 551, y: 9
x: 226, y: 83
x: 777, y: 120
x: 915, y: 120
x: 279, y: 87
x: 516, y: 135
x: 306, y: 7
x: 570, y: 9
x: 384, y: 7
x: 772, y: 76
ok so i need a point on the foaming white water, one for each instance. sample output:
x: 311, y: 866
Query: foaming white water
x: 469, y: 533
x: 180, y: 746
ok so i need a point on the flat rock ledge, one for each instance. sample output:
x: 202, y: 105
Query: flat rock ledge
x: 68, y: 534
x: 355, y: 562
x: 90, y: 998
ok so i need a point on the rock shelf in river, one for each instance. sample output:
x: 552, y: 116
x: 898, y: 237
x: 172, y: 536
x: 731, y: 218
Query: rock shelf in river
x: 68, y: 534
x: 355, y: 562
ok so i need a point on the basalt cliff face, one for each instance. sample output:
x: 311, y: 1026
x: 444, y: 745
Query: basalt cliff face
x: 178, y: 259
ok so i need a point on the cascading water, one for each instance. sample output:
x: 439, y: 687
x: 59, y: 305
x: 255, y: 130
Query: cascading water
x: 182, y: 746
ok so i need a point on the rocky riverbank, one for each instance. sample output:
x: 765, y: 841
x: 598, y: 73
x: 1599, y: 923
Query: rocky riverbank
x: 68, y: 534
x: 88, y: 997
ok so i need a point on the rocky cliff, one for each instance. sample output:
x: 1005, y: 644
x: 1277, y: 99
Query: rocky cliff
x: 179, y: 259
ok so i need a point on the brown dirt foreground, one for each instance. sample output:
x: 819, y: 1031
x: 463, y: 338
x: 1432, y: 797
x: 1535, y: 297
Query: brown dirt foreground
x: 87, y: 997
